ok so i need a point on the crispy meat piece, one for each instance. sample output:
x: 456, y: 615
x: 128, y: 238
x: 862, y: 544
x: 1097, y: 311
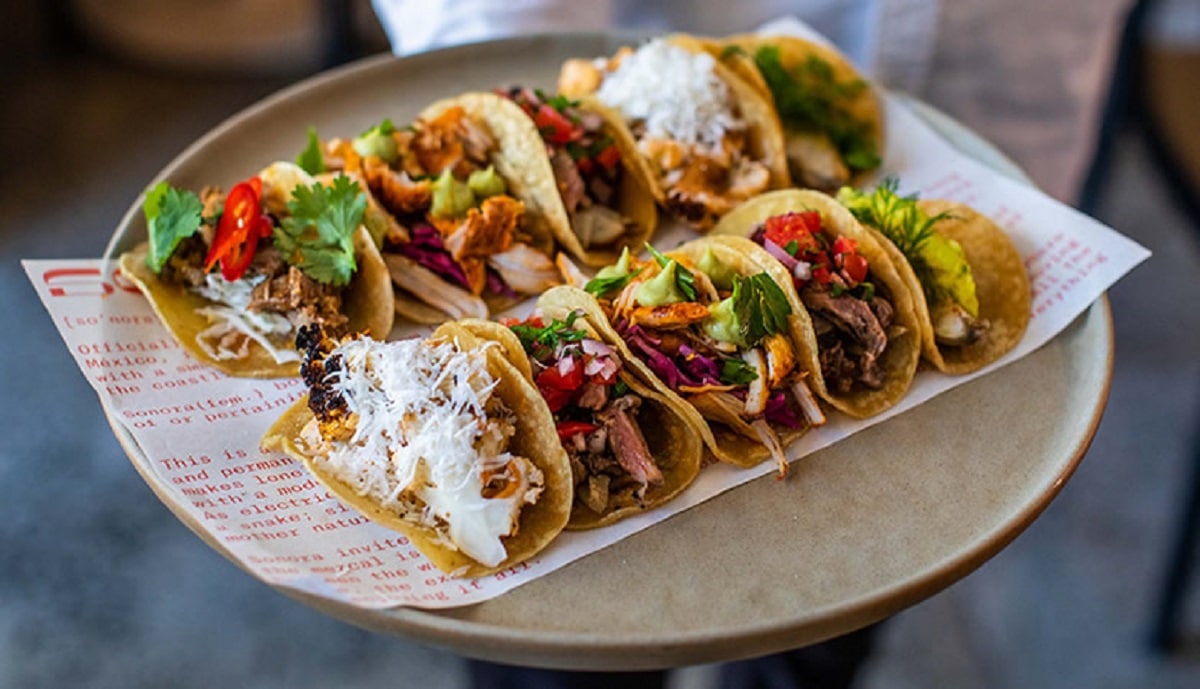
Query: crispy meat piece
x: 452, y: 140
x: 302, y: 299
x: 397, y: 191
x: 568, y: 180
x: 667, y: 316
x: 486, y: 230
x: 627, y: 443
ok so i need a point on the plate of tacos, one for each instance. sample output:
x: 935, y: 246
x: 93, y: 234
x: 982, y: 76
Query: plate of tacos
x: 623, y: 321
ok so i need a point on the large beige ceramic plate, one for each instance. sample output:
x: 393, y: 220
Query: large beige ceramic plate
x: 861, y: 530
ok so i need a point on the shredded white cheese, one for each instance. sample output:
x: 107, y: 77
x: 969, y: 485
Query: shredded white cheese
x: 232, y: 316
x: 675, y: 92
x: 421, y: 439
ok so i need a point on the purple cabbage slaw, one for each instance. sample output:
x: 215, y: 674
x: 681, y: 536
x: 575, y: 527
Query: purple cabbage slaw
x: 427, y: 248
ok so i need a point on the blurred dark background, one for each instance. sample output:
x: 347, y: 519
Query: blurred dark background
x: 101, y: 586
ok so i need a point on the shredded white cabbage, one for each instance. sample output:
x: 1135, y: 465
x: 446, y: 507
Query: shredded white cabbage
x: 233, y: 316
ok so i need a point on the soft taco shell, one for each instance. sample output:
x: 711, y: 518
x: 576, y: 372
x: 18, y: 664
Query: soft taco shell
x: 865, y: 107
x: 1001, y: 285
x: 671, y: 438
x: 366, y: 301
x: 900, y: 358
x: 535, y: 439
x: 764, y: 132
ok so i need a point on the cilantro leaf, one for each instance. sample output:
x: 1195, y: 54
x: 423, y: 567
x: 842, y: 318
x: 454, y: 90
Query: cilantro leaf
x: 318, y: 235
x: 599, y: 286
x: 762, y: 308
x: 810, y: 97
x: 541, y: 342
x: 737, y: 372
x: 684, y: 280
x: 384, y: 128
x: 310, y: 159
x: 172, y: 216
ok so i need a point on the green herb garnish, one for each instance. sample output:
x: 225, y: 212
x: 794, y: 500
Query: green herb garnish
x: 731, y: 50
x: 172, y: 215
x: 737, y: 372
x: 310, y: 159
x: 620, y: 388
x: 684, y: 280
x: 318, y: 235
x: 762, y: 308
x: 939, y: 262
x: 540, y: 342
x: 599, y: 286
x: 810, y: 97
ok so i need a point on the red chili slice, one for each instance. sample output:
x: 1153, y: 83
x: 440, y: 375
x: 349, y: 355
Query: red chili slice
x: 242, y: 224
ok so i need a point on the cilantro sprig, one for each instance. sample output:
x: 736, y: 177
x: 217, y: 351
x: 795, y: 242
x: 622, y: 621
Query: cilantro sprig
x: 684, y: 280
x: 318, y: 235
x: 541, y: 342
x: 810, y: 96
x: 172, y: 215
x: 761, y: 307
x: 599, y: 286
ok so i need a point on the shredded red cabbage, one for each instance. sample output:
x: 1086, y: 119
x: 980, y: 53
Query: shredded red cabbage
x: 426, y: 248
x: 780, y: 412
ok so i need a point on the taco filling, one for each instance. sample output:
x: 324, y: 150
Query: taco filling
x: 717, y: 338
x: 595, y: 413
x: 413, y: 425
x: 938, y: 261
x: 457, y: 234
x: 687, y: 123
x: 828, y: 141
x: 265, y: 269
x: 586, y: 163
x: 851, y: 314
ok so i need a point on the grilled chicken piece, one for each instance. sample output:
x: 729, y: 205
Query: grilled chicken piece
x: 525, y: 269
x: 757, y: 392
x: 486, y: 230
x: 398, y: 192
x: 429, y: 287
x: 780, y: 359
x: 668, y: 316
x: 815, y: 162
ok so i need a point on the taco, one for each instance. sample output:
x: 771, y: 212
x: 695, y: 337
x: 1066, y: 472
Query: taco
x: 440, y: 439
x: 971, y: 290
x: 707, y: 139
x: 606, y: 200
x: 469, y: 202
x: 861, y: 332
x: 710, y: 323
x: 832, y: 118
x: 631, y: 448
x: 232, y: 276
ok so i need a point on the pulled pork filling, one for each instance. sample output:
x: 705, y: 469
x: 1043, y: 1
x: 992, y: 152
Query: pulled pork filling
x: 455, y: 233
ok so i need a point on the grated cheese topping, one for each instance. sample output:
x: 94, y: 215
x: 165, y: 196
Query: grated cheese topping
x: 675, y: 92
x: 423, y: 440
